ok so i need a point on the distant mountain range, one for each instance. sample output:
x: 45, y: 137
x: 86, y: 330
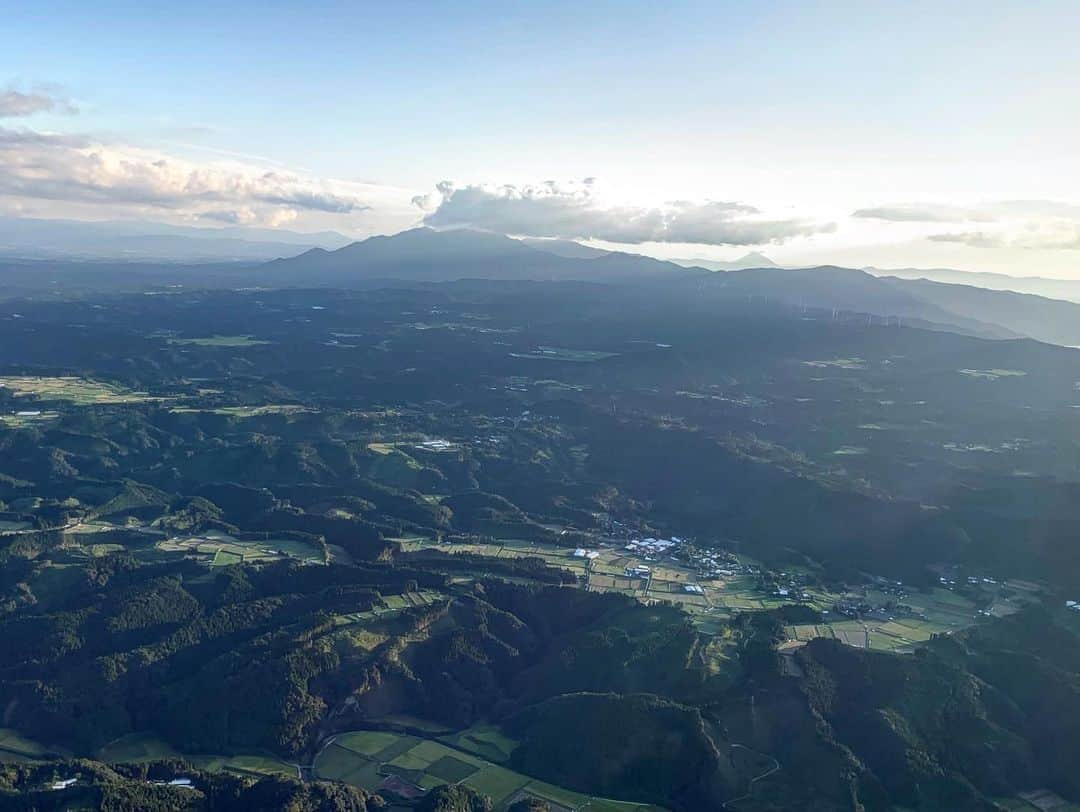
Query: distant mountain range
x: 1068, y: 289
x: 424, y: 256
x: 427, y: 255
x: 137, y: 241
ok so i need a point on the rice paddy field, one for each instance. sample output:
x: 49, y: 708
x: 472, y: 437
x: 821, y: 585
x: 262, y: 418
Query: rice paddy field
x: 372, y: 759
x: 366, y: 633
x: 79, y: 391
x: 220, y: 341
x: 247, y: 411
x: 935, y: 612
x: 143, y: 747
x: 221, y: 550
x: 939, y: 611
x: 14, y: 747
x: 564, y: 354
x: 27, y: 418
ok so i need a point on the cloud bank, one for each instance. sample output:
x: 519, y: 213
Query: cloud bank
x: 77, y: 169
x: 1047, y: 225
x: 923, y: 213
x: 574, y: 212
x: 1057, y: 236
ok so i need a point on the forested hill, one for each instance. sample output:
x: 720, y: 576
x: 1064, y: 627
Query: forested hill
x: 493, y: 543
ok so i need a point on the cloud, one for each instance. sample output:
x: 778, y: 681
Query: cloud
x: 77, y: 169
x: 1047, y: 225
x: 1051, y: 236
x: 14, y: 104
x: 923, y: 213
x: 573, y: 212
x: 974, y: 239
x: 1037, y: 208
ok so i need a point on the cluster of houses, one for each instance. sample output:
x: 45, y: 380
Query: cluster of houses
x: 438, y: 445
x: 651, y: 548
x: 713, y: 564
x: 1074, y: 605
x: 791, y: 587
x: 950, y: 579
x: 590, y: 555
x: 638, y: 571
x: 856, y: 608
x: 183, y: 783
x: 853, y: 607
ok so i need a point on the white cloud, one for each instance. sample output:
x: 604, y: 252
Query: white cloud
x: 1046, y: 225
x: 923, y: 213
x: 75, y: 169
x: 573, y: 211
x: 974, y: 239
x: 1051, y: 235
x: 15, y: 104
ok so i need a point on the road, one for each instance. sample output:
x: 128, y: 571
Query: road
x: 755, y: 779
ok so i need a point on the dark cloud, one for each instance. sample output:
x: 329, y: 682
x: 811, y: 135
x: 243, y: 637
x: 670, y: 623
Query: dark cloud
x: 572, y: 212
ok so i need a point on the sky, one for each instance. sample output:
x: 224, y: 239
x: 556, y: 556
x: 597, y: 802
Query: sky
x: 927, y: 134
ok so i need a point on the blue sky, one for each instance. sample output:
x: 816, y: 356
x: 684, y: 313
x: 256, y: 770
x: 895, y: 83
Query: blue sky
x: 807, y: 112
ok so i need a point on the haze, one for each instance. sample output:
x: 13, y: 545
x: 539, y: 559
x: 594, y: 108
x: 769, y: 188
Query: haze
x: 857, y: 134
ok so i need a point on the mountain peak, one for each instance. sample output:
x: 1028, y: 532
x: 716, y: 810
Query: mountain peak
x: 754, y: 259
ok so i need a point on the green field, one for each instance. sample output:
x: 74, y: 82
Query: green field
x: 224, y: 558
x: 564, y: 354
x: 222, y: 550
x: 21, y: 421
x: 136, y: 747
x: 486, y: 741
x: 246, y: 411
x: 945, y: 612
x: 16, y: 747
x: 250, y: 764
x: 220, y: 341
x: 80, y: 391
x: 143, y: 747
x: 364, y: 758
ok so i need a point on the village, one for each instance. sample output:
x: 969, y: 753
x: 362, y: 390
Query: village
x: 713, y: 584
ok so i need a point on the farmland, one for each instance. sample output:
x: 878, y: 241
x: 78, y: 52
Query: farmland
x: 223, y: 342
x: 220, y: 549
x: 246, y: 411
x: 146, y: 747
x: 375, y: 760
x: 563, y: 354
x: 937, y: 611
x: 422, y: 534
x: 16, y: 747
x: 78, y: 391
x: 27, y: 418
